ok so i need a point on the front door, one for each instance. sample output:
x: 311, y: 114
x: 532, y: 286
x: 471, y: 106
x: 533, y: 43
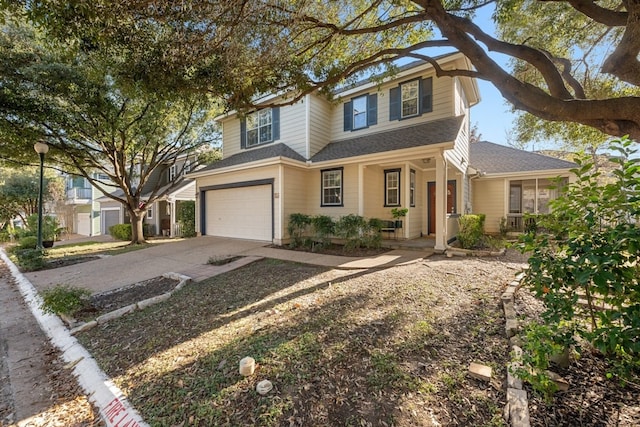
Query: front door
x: 431, y: 201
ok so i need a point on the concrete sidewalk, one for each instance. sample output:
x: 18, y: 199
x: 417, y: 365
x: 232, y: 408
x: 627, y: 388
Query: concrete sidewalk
x: 189, y: 257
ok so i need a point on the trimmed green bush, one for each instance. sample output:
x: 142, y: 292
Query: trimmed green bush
x: 28, y: 242
x: 298, y: 229
x: 63, y: 299
x: 120, y: 231
x: 186, y: 215
x: 30, y: 259
x: 323, y: 228
x: 471, y: 230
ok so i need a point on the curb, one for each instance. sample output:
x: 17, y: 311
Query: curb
x: 114, y: 408
x: 516, y: 411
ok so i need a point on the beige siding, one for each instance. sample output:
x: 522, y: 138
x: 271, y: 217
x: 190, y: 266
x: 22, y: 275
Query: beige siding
x: 489, y: 199
x: 319, y: 123
x: 230, y: 137
x: 297, y: 189
x: 292, y: 131
x: 293, y: 128
x: 442, y: 107
x: 417, y: 214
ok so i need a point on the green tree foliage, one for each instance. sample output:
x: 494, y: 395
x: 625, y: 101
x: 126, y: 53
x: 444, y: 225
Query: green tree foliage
x: 95, y: 117
x: 239, y: 49
x: 588, y: 277
x: 560, y: 31
x: 19, y: 190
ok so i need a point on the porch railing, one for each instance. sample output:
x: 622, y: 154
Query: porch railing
x: 177, y: 229
x: 79, y: 193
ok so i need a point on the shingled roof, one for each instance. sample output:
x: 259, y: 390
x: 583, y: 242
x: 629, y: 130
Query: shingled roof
x: 247, y: 156
x: 434, y: 132
x: 491, y: 158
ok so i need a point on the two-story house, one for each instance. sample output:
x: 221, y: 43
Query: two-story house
x: 81, y: 211
x: 402, y: 142
x: 161, y: 217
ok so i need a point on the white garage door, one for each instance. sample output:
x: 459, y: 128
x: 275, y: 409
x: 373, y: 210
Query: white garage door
x: 84, y: 224
x: 242, y: 213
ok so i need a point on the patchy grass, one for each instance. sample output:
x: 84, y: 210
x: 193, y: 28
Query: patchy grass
x: 385, y: 347
x: 93, y: 248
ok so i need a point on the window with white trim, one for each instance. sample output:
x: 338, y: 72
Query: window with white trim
x: 259, y: 130
x: 150, y: 212
x: 392, y: 187
x: 409, y: 101
x: 331, y: 187
x: 187, y: 166
x: 172, y: 172
x: 360, y: 112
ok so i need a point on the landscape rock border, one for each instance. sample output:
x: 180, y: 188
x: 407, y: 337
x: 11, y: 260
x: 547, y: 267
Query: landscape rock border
x: 85, y: 326
x: 516, y: 410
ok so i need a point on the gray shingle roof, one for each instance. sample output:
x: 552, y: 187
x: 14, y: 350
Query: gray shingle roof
x: 495, y: 158
x: 246, y: 156
x: 434, y: 132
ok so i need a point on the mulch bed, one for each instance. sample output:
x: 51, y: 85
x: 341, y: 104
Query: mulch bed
x: 335, y: 249
x: 63, y: 262
x: 105, y: 302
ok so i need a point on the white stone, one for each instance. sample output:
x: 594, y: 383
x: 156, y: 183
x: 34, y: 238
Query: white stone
x: 153, y: 300
x: 481, y: 372
x: 247, y: 366
x: 83, y: 327
x: 116, y: 313
x: 518, y: 407
x: 264, y: 387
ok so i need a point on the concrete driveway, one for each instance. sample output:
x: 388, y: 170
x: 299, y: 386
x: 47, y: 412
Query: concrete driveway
x: 125, y: 269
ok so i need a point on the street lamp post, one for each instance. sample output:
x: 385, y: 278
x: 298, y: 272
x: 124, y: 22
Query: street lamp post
x: 42, y: 149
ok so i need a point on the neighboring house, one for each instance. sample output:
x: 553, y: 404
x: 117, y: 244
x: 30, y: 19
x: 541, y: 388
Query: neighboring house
x: 508, y: 183
x: 161, y: 216
x: 81, y: 211
x: 403, y: 142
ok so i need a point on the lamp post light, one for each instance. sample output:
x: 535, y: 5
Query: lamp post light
x: 42, y: 149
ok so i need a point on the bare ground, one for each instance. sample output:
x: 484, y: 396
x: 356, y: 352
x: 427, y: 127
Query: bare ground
x: 381, y: 347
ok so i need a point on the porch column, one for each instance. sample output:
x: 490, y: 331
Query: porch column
x: 441, y: 207
x: 361, y: 189
x: 172, y: 219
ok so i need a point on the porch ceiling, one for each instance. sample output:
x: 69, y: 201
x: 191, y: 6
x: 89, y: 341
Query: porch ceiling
x: 430, y: 133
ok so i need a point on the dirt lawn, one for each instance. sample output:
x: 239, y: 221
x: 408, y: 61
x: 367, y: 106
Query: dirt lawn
x: 379, y: 347
x: 386, y: 347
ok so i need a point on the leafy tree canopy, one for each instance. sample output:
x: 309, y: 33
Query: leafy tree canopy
x: 240, y: 49
x: 94, y: 117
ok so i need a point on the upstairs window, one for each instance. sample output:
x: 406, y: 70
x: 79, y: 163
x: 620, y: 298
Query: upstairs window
x: 361, y: 112
x: 411, y: 99
x: 392, y: 187
x: 172, y: 172
x: 260, y: 127
x: 409, y: 92
x: 331, y: 187
x: 187, y: 166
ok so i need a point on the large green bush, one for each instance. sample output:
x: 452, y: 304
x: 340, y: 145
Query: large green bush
x: 186, y: 215
x: 30, y: 259
x: 64, y: 299
x: 596, y: 259
x: 298, y: 229
x: 471, y: 230
x: 315, y: 232
x: 120, y: 231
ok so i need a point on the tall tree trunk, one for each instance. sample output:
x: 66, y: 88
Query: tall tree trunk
x: 137, y: 222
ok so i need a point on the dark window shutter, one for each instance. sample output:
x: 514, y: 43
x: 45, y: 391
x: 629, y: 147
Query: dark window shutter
x: 372, y: 110
x: 243, y: 133
x: 426, y: 95
x: 394, y: 103
x: 348, y: 116
x: 275, y: 123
